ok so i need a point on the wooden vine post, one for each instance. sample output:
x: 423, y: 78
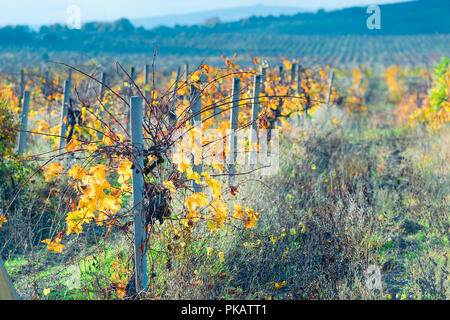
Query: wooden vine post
x: 234, y: 123
x: 24, y: 122
x: 140, y: 240
x: 254, y: 126
x: 64, y: 108
x: 330, y: 87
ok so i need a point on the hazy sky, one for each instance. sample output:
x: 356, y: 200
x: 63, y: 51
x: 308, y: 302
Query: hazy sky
x: 35, y: 12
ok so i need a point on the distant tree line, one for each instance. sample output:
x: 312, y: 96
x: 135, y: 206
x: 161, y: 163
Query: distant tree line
x: 410, y: 18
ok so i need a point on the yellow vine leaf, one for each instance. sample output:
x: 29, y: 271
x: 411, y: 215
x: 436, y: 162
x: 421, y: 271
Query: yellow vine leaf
x: 217, y: 165
x: 99, y: 200
x: 213, y: 184
x: 220, y: 214
x: 169, y: 185
x: 238, y: 212
x: 280, y: 285
x: 192, y: 175
x: 54, y: 169
x: 2, y: 220
x: 92, y: 147
x: 249, y: 217
x: 191, y: 218
x: 182, y: 161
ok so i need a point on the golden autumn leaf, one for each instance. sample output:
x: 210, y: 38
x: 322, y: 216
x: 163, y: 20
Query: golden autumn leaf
x: 238, y: 212
x: 77, y: 172
x: 195, y: 77
x: 55, y: 246
x: 92, y: 147
x: 107, y: 140
x: 230, y: 63
x: 125, y: 173
x: 219, y: 214
x: 183, y: 166
x: 182, y: 161
x: 213, y: 184
x: 287, y: 64
x: 54, y: 169
x: 73, y: 145
x: 168, y: 184
x: 250, y: 222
